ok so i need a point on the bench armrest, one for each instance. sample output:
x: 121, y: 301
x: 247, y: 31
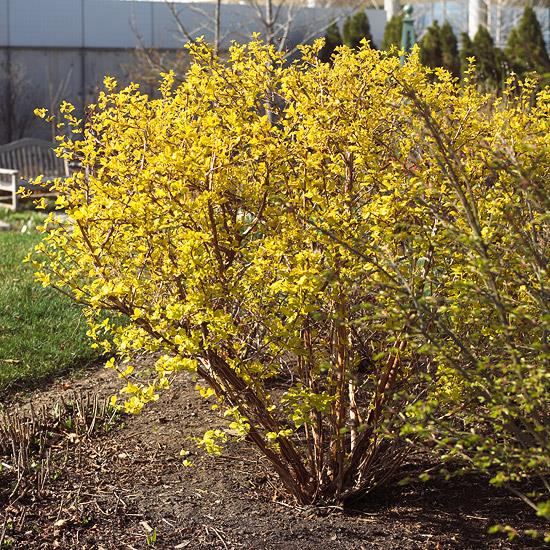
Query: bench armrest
x: 11, y: 186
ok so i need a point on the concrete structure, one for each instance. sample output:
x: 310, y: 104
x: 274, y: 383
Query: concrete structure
x: 477, y: 16
x: 392, y: 7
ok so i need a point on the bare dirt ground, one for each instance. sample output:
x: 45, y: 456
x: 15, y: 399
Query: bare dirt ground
x: 127, y: 489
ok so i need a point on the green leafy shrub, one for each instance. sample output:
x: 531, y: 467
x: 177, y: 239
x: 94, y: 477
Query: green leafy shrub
x: 333, y: 39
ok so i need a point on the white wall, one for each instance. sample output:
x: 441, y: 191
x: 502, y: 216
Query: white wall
x: 111, y: 24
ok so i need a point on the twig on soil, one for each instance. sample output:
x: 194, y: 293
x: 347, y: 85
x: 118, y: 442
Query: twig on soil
x: 241, y: 471
x: 124, y: 505
x: 101, y: 510
x: 21, y: 520
x: 477, y: 517
x: 331, y: 507
x: 59, y: 509
x: 217, y: 533
x: 292, y: 507
x: 169, y: 523
x: 238, y: 458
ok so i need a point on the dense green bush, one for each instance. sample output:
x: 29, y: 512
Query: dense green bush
x: 357, y: 28
x: 392, y: 33
x: 333, y: 39
x: 525, y: 48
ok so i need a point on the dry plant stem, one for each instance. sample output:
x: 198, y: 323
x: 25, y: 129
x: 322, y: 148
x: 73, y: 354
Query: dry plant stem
x: 255, y: 409
x: 341, y: 364
x: 27, y: 439
x: 355, y: 419
x: 383, y: 392
x: 314, y: 430
x: 452, y: 167
x: 3, y: 531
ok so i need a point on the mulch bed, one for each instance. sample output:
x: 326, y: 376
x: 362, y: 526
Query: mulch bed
x: 127, y: 489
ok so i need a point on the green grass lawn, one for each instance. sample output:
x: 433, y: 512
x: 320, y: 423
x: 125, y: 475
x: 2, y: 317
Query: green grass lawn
x: 24, y: 220
x: 42, y: 333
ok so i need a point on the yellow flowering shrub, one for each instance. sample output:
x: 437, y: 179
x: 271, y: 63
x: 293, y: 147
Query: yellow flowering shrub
x: 270, y: 229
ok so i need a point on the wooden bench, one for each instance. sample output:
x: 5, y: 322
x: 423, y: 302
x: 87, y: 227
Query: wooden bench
x: 22, y: 160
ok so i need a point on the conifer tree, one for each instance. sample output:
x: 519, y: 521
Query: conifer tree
x: 466, y: 51
x: 355, y: 29
x: 333, y: 39
x: 449, y: 49
x: 430, y: 47
x: 486, y: 58
x: 503, y: 66
x: 392, y: 33
x: 525, y: 48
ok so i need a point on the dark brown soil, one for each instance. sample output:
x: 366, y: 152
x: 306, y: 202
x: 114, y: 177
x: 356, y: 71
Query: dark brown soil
x: 127, y: 489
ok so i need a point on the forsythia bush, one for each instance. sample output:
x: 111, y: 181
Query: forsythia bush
x: 348, y: 257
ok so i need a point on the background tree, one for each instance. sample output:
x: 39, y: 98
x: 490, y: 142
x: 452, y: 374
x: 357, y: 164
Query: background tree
x: 333, y: 39
x: 430, y: 46
x: 355, y: 29
x: 525, y: 48
x: 279, y: 22
x: 392, y: 32
x: 449, y: 49
x: 439, y: 48
x: 466, y: 51
x: 150, y: 62
x: 485, y: 53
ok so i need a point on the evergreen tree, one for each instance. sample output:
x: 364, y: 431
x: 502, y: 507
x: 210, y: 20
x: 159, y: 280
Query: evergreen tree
x: 333, y: 39
x: 466, y: 51
x: 439, y: 48
x: 430, y: 47
x: 356, y: 28
x: 392, y: 33
x: 486, y: 58
x: 503, y: 66
x: 449, y: 49
x: 525, y: 48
